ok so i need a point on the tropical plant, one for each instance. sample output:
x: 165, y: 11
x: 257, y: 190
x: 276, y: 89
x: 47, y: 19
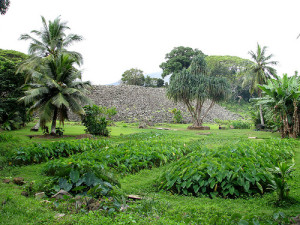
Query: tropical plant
x: 51, y: 40
x: 231, y: 170
x: 177, y: 116
x: 193, y: 85
x: 56, y: 87
x: 280, y: 175
x: 261, y: 71
x: 281, y: 96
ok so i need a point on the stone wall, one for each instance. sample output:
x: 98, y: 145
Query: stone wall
x: 137, y: 104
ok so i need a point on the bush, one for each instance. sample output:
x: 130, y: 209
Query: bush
x: 228, y: 171
x: 177, y: 115
x: 240, y: 124
x: 97, y: 118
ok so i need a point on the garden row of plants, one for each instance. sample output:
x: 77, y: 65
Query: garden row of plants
x: 232, y: 170
x: 37, y: 153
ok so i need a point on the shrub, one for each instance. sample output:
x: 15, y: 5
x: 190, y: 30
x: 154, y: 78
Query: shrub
x: 240, y: 124
x: 177, y: 116
x: 227, y: 171
x: 97, y: 118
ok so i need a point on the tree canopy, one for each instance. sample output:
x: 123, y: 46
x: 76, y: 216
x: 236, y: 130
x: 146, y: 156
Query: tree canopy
x: 12, y: 113
x: 4, y: 4
x: 234, y: 69
x: 178, y: 59
x: 133, y: 76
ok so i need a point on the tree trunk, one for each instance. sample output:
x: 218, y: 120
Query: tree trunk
x: 262, y: 122
x: 53, y: 125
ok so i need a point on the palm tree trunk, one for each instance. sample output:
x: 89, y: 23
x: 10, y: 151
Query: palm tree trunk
x: 53, y: 126
x: 262, y: 122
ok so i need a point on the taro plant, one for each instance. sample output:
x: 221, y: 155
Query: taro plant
x: 229, y: 171
x: 280, y: 175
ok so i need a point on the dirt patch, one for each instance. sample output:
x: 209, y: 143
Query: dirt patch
x: 198, y: 128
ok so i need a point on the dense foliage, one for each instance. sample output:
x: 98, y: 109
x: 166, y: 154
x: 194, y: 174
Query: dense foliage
x: 281, y: 98
x: 133, y: 76
x: 178, y: 59
x: 4, y: 4
x: 236, y: 169
x: 234, y: 69
x: 97, y: 118
x: 56, y: 87
x: 12, y: 113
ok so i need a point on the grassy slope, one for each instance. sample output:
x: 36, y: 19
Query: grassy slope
x: 17, y: 209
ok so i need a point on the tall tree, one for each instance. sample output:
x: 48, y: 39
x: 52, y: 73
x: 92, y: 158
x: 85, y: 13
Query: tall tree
x: 133, y: 77
x: 12, y: 114
x: 4, y: 4
x: 50, y: 40
x: 193, y: 87
x: 56, y: 87
x: 178, y: 59
x: 261, y: 71
x: 234, y: 69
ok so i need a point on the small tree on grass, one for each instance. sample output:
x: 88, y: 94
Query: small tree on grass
x: 97, y: 118
x: 193, y: 87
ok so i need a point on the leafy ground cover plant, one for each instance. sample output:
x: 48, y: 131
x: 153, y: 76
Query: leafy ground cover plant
x: 38, y: 153
x: 229, y: 171
x: 128, y: 157
x: 7, y: 137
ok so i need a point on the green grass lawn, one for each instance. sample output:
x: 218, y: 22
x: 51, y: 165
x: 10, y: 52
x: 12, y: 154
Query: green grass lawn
x: 158, y: 207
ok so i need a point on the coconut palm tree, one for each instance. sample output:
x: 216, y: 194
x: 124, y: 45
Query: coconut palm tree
x: 260, y: 71
x: 56, y: 86
x: 51, y: 40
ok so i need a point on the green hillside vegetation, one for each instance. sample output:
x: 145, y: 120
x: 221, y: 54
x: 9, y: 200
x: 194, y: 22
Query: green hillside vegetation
x: 139, y: 162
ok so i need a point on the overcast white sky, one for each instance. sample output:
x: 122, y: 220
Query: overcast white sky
x: 123, y: 34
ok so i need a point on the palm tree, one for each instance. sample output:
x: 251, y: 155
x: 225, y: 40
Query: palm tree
x: 56, y: 87
x: 51, y: 40
x: 261, y: 71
